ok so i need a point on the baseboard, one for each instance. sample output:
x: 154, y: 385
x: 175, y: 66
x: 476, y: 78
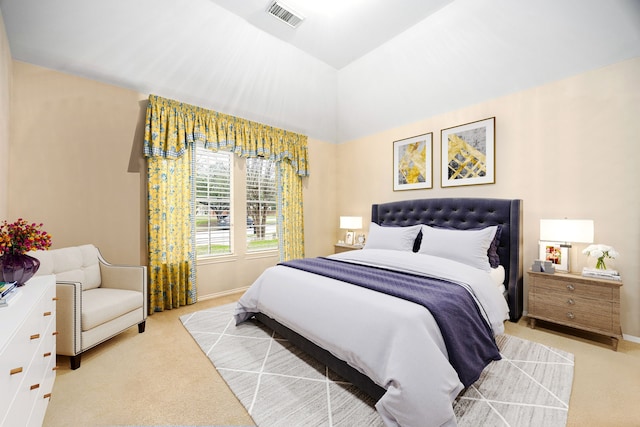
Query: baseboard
x: 222, y: 294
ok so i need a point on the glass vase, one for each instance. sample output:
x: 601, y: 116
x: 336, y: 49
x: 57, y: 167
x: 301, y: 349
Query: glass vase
x: 18, y: 268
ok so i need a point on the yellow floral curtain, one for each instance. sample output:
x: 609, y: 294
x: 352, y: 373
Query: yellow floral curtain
x: 171, y: 130
x: 290, y: 215
x: 171, y: 255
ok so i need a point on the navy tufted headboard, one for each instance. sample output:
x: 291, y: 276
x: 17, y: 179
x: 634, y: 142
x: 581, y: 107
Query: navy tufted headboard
x: 468, y: 213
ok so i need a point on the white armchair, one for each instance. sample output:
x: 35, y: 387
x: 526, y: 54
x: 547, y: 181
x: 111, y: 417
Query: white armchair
x: 96, y: 300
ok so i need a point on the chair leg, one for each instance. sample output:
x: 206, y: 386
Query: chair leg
x: 141, y: 327
x: 74, y: 361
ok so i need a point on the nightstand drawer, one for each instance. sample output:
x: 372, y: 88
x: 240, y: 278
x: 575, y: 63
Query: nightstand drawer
x: 574, y: 288
x: 577, y: 312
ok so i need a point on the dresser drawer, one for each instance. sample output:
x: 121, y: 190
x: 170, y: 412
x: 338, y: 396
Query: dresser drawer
x: 28, y: 353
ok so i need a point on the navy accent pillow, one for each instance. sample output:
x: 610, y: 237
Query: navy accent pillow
x: 492, y: 253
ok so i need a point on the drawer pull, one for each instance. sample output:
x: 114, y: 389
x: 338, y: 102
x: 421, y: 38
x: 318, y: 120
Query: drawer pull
x: 570, y: 315
x: 47, y: 313
x: 35, y: 386
x: 55, y: 299
x: 47, y: 354
x: 570, y: 301
x: 54, y: 333
x: 571, y: 287
x: 47, y: 396
x: 55, y: 368
x: 34, y: 336
x: 15, y: 371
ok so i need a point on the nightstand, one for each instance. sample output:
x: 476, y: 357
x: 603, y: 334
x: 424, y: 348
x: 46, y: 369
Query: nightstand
x: 585, y: 303
x: 343, y: 247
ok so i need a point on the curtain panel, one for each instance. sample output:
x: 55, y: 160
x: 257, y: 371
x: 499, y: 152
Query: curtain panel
x: 171, y: 130
x: 171, y: 254
x: 290, y: 213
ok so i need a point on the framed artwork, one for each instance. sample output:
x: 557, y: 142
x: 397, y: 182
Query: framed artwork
x: 468, y: 154
x: 556, y: 253
x: 349, y: 238
x: 412, y: 163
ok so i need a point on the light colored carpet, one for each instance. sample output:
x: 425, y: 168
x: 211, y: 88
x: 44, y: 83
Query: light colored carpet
x: 280, y: 386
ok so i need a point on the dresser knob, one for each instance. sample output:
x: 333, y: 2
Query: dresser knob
x: 571, y: 287
x: 570, y: 315
x: 570, y: 301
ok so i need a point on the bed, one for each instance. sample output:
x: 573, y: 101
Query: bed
x: 380, y: 342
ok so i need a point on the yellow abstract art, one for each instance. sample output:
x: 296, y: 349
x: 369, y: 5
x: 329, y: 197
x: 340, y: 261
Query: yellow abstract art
x: 412, y: 163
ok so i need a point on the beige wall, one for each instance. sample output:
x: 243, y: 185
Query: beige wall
x: 5, y: 103
x: 73, y: 165
x: 75, y: 161
x: 568, y: 149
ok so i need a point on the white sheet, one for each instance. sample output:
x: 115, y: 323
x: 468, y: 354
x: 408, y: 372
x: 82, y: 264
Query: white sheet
x: 394, y: 342
x: 498, y: 275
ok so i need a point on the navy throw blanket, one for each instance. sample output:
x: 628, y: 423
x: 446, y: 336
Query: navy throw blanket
x: 468, y: 338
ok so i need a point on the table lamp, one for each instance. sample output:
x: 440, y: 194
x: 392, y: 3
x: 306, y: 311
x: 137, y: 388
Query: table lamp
x: 350, y: 223
x: 566, y: 231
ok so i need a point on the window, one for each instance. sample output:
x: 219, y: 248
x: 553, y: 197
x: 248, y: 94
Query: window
x: 213, y: 184
x: 214, y: 203
x: 261, y: 205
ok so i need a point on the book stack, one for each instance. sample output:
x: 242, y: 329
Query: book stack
x: 601, y: 274
x: 8, y: 291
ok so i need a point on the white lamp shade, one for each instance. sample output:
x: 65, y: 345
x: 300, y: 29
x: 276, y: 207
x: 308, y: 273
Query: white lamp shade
x: 566, y: 230
x: 351, y: 222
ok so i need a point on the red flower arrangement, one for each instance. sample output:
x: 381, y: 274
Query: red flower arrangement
x: 21, y: 237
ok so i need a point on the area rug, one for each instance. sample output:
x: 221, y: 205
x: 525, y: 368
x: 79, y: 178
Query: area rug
x: 281, y: 386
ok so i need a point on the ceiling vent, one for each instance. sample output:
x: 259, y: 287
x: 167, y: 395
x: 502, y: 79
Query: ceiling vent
x: 285, y: 14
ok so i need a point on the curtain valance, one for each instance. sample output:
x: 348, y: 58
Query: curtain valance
x: 171, y: 126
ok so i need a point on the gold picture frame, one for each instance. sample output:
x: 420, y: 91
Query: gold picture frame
x: 468, y: 154
x: 412, y: 163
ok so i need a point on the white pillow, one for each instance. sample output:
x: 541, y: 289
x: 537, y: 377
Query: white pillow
x: 466, y: 246
x: 395, y: 238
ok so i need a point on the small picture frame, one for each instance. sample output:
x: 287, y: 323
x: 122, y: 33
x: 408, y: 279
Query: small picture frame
x: 349, y: 238
x: 412, y: 163
x: 557, y: 254
x: 468, y: 154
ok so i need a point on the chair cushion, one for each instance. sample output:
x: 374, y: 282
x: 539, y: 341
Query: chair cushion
x: 91, y: 267
x: 66, y: 259
x: 101, y: 305
x: 46, y: 261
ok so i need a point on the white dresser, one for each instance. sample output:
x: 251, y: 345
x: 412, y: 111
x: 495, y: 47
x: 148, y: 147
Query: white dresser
x: 28, y: 353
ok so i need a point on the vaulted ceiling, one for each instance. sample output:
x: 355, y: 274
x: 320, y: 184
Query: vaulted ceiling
x: 351, y: 68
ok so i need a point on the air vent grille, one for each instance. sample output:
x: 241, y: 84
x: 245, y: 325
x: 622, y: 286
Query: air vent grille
x: 285, y: 14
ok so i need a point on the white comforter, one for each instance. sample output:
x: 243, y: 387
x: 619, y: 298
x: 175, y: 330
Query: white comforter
x: 394, y: 342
